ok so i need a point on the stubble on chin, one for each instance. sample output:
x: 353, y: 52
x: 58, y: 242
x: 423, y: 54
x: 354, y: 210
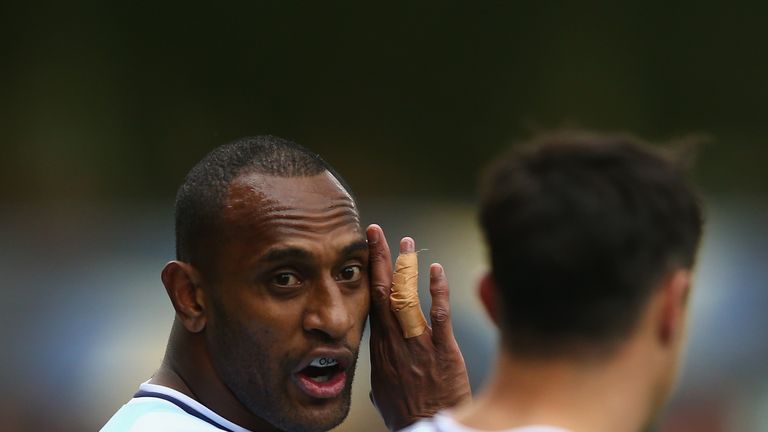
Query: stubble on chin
x: 264, y: 385
x: 269, y: 395
x: 322, y: 422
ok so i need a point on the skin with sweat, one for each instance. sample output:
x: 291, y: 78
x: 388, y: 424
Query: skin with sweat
x: 286, y: 283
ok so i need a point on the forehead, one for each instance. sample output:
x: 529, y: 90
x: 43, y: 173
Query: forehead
x: 262, y: 210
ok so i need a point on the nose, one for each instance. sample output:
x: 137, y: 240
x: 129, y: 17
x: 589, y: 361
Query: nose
x: 327, y: 312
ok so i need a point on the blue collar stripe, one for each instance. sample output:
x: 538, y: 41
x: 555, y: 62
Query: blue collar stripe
x: 188, y: 409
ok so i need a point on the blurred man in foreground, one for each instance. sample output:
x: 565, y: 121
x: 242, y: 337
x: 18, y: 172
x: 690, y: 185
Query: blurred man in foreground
x: 592, y: 240
x: 271, y: 291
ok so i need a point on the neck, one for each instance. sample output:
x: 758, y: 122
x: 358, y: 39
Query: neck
x: 187, y: 368
x: 597, y: 395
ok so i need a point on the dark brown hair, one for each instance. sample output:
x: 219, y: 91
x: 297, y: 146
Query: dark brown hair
x: 580, y: 227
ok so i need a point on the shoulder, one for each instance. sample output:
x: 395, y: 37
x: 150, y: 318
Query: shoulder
x: 441, y: 422
x: 422, y: 426
x: 154, y: 415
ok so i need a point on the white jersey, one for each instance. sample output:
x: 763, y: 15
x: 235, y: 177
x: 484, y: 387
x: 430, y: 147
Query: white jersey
x: 156, y: 408
x: 443, y: 422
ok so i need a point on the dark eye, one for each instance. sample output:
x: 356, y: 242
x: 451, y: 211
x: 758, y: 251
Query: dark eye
x: 350, y: 273
x: 286, y: 280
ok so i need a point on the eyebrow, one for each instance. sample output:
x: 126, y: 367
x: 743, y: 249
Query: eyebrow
x: 360, y: 245
x: 296, y: 253
x: 280, y: 254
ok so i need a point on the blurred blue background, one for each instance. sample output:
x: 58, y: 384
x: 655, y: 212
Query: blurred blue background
x: 106, y: 106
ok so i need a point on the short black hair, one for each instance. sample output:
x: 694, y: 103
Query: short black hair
x: 201, y: 195
x: 580, y: 228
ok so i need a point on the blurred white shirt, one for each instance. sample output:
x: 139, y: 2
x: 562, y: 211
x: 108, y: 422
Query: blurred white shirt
x: 156, y: 408
x: 443, y: 422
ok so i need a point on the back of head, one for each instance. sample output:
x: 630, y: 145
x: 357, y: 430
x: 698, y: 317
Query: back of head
x: 580, y: 228
x: 201, y: 196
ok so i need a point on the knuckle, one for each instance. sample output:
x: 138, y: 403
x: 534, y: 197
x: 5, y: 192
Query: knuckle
x: 376, y: 253
x: 377, y: 297
x: 379, y: 292
x: 439, y: 290
x: 439, y: 314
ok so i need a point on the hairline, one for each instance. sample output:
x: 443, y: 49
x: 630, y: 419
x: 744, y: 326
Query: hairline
x: 210, y: 227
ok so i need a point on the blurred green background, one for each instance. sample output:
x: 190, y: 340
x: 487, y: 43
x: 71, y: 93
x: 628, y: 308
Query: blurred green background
x: 105, y: 107
x: 117, y: 100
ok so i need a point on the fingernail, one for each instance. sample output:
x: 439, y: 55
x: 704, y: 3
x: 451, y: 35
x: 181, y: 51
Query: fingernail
x: 436, y: 270
x: 407, y: 245
x: 373, y: 235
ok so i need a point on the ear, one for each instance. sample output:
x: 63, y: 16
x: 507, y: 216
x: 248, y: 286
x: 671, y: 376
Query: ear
x: 675, y: 289
x: 183, y: 284
x: 488, y: 296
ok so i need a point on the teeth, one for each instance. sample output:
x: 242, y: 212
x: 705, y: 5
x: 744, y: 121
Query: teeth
x: 324, y: 362
x: 321, y: 378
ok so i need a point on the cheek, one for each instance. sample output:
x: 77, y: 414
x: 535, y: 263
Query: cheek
x: 256, y: 323
x: 251, y: 306
x: 254, y: 348
x: 358, y: 306
x: 274, y: 324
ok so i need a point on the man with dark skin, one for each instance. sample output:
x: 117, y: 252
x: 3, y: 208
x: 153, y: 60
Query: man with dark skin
x: 271, y: 288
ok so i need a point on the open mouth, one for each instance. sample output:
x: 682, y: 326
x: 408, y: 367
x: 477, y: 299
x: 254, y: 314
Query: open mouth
x: 323, y: 378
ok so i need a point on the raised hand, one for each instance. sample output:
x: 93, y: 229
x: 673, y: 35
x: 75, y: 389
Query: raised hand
x: 416, y: 377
